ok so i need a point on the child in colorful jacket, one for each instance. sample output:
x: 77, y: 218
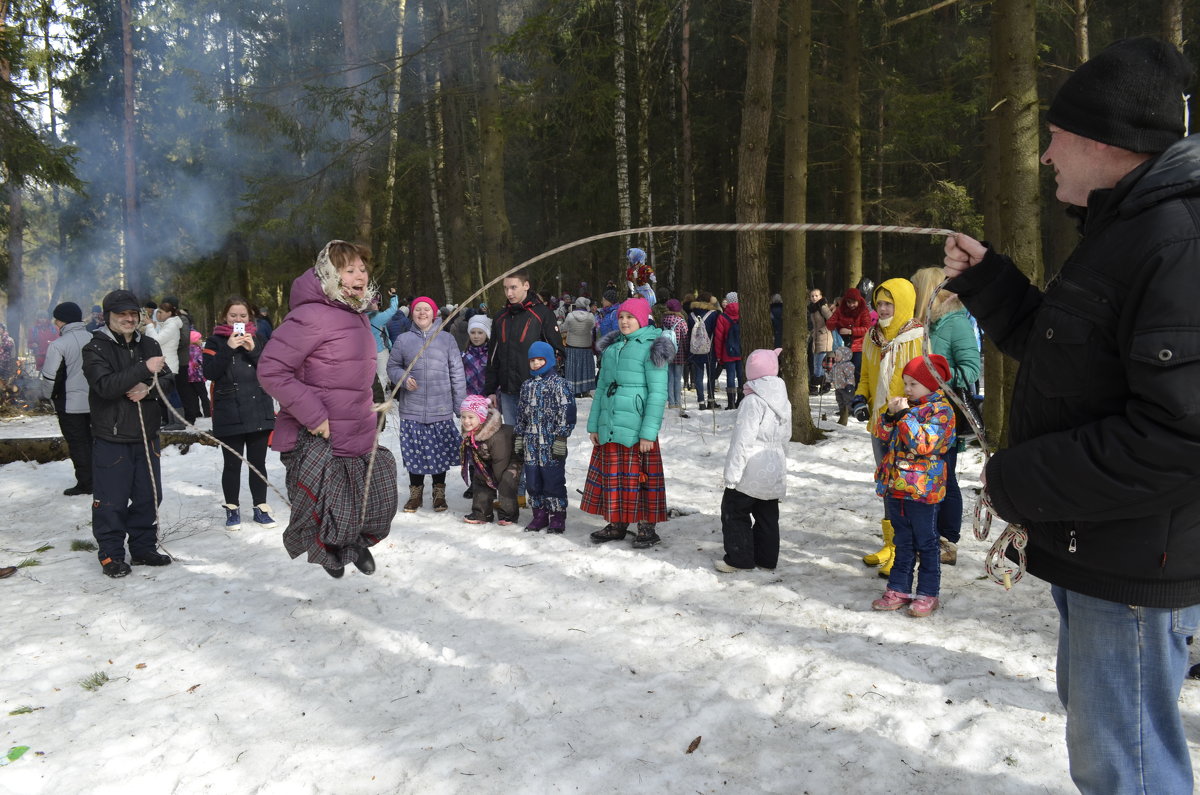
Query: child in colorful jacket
x: 488, y: 463
x: 545, y: 418
x: 475, y: 357
x: 917, y: 430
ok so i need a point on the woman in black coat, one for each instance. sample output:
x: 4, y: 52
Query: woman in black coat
x: 243, y: 414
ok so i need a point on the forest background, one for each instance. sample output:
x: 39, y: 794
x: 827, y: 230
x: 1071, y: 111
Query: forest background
x: 208, y: 148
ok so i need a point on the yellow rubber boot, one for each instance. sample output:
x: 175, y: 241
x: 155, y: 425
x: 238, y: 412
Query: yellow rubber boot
x: 887, y: 558
x: 886, y: 551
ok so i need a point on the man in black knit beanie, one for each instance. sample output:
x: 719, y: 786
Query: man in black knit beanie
x: 1104, y: 432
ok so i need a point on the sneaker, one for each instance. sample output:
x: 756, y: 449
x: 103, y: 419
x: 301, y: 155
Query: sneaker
x: 720, y: 565
x: 114, y: 568
x: 262, y: 517
x: 922, y: 606
x: 151, y: 558
x: 233, y: 517
x: 506, y: 522
x: 474, y: 518
x: 891, y: 600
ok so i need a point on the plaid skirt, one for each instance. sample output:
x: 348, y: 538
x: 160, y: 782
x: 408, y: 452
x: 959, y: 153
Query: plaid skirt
x: 624, y: 485
x: 326, y: 493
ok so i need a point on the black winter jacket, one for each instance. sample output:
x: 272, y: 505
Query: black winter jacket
x: 113, y: 367
x: 1103, y: 466
x: 515, y: 328
x: 239, y: 404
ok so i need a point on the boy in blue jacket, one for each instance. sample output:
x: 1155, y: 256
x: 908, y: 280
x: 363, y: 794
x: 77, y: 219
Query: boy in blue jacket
x: 545, y: 418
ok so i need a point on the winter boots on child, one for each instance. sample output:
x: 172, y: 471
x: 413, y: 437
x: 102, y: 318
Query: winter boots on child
x: 550, y: 521
x: 886, y: 555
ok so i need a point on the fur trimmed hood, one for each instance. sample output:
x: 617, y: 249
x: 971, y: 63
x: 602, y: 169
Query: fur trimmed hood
x: 661, y: 350
x: 489, y: 427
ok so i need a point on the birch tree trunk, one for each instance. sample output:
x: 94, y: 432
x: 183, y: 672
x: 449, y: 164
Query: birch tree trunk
x: 136, y: 271
x: 793, y: 366
x: 641, y: 58
x: 497, y: 236
x: 389, y: 193
x: 620, y: 130
x: 753, y: 148
x: 1011, y: 191
x: 15, y: 245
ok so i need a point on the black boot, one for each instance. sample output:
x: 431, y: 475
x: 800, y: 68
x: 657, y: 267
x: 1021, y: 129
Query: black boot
x: 365, y: 562
x: 646, y: 536
x: 611, y: 532
x: 150, y: 558
x: 730, y: 399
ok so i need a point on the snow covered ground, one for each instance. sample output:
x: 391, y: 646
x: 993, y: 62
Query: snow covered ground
x: 489, y: 660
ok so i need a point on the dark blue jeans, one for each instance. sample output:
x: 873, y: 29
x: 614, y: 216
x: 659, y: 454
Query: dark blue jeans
x: 123, y: 498
x: 949, y: 518
x: 915, y: 527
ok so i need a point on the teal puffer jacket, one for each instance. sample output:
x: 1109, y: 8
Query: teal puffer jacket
x: 631, y: 390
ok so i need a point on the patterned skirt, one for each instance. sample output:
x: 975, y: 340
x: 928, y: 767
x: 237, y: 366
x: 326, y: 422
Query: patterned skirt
x: 327, y: 518
x: 429, y: 448
x: 581, y: 369
x: 624, y: 485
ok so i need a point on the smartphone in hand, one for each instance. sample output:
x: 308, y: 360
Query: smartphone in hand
x: 239, y: 328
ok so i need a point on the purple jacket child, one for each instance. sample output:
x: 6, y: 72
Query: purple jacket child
x: 320, y: 364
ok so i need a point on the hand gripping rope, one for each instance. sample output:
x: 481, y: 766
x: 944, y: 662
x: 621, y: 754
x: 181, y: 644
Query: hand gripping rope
x: 995, y: 563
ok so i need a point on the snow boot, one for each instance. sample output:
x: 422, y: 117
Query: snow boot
x: 114, y: 568
x: 949, y: 556
x: 439, y: 497
x: 613, y: 531
x: 730, y: 399
x: 646, y: 536
x: 541, y: 520
x: 558, y: 522
x: 263, y: 518
x: 150, y: 558
x: 843, y: 416
x: 416, y: 498
x: 887, y: 552
x: 233, y: 517
x: 365, y: 562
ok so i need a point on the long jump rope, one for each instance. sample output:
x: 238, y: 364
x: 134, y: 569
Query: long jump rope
x: 996, y: 563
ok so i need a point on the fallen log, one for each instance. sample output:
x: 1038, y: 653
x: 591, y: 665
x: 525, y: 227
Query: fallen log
x: 54, y: 448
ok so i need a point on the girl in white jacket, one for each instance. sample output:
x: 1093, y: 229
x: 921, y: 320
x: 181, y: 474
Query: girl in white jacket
x: 756, y: 468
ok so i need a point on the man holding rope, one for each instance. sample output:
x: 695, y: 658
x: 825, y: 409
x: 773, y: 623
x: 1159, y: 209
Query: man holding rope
x: 1105, y: 427
x: 120, y: 365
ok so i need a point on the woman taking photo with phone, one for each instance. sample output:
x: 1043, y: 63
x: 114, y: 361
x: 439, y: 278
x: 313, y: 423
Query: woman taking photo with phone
x: 243, y: 414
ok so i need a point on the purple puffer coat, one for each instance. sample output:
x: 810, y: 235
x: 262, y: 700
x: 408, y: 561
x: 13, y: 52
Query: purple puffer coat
x: 319, y: 364
x: 441, y: 384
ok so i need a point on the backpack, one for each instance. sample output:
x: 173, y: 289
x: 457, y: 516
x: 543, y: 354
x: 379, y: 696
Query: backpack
x: 700, y: 343
x: 733, y: 340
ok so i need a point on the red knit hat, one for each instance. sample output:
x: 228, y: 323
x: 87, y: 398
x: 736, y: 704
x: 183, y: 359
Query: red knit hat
x: 917, y: 370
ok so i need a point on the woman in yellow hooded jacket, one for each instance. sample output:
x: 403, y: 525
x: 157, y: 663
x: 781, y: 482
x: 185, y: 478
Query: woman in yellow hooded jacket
x: 890, y: 344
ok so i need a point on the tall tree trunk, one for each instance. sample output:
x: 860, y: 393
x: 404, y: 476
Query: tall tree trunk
x: 687, y: 279
x: 497, y: 236
x: 852, y: 174
x: 793, y: 367
x: 754, y: 144
x: 1082, y: 46
x: 355, y: 82
x: 620, y: 128
x: 455, y: 237
x: 1012, y: 220
x: 136, y: 269
x: 642, y: 58
x: 14, y: 313
x: 383, y: 263
x: 1172, y: 22
x: 47, y: 14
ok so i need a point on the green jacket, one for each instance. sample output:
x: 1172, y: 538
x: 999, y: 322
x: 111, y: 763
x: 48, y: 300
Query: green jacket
x: 952, y: 336
x: 631, y: 390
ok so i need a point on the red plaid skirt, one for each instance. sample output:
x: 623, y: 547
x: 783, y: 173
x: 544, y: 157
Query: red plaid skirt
x: 624, y: 485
